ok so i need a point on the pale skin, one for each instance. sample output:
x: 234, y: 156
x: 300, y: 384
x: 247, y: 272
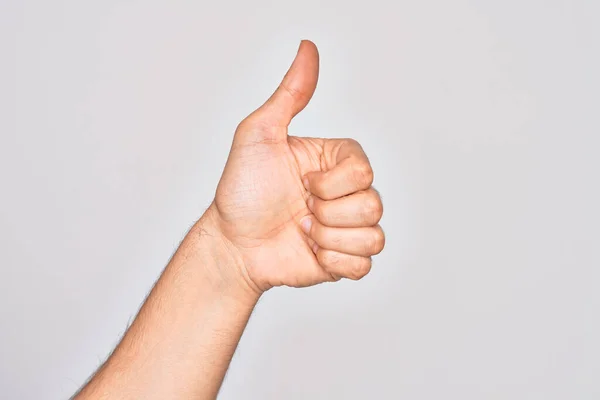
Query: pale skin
x: 288, y: 211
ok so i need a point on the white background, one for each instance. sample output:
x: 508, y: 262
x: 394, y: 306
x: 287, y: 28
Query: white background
x: 482, y: 122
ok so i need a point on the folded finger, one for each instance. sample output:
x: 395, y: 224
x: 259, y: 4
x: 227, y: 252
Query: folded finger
x: 351, y: 172
x: 363, y: 208
x: 364, y: 241
x: 343, y: 265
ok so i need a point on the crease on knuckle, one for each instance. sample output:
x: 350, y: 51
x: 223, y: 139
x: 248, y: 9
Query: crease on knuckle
x: 294, y: 92
x: 336, y: 239
x: 376, y: 242
x: 372, y: 208
x: 362, y: 174
x: 330, y: 259
x: 333, y: 259
x: 360, y: 268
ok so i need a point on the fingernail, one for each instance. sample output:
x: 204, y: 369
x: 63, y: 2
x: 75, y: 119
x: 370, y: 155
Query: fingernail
x: 310, y: 202
x: 306, y: 184
x: 306, y: 223
x: 315, y: 247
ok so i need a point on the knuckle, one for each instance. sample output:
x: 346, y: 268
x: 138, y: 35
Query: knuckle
x: 330, y: 258
x: 335, y: 239
x: 369, y: 244
x: 317, y: 184
x: 376, y: 242
x: 362, y: 173
x: 352, y: 143
x: 251, y: 123
x: 372, y: 207
x: 257, y: 131
x: 243, y: 126
x: 360, y: 268
x: 295, y: 92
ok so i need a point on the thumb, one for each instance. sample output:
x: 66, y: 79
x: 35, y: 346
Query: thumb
x: 296, y: 89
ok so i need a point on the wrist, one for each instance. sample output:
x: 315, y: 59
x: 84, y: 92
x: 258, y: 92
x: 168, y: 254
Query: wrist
x: 222, y: 262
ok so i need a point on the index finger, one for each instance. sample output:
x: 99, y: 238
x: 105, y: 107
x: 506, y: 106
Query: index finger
x: 352, y: 172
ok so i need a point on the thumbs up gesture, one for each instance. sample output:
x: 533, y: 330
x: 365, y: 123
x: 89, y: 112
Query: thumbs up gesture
x: 296, y: 211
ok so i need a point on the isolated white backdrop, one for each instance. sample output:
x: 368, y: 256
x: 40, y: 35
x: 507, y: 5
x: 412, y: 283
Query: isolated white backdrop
x: 481, y: 119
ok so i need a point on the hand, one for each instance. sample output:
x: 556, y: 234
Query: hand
x: 288, y: 211
x: 298, y: 211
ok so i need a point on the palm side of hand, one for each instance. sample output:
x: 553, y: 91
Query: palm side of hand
x: 262, y: 196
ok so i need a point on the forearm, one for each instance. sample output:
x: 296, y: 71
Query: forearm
x: 182, y: 340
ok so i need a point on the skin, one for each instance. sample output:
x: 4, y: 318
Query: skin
x: 291, y: 211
